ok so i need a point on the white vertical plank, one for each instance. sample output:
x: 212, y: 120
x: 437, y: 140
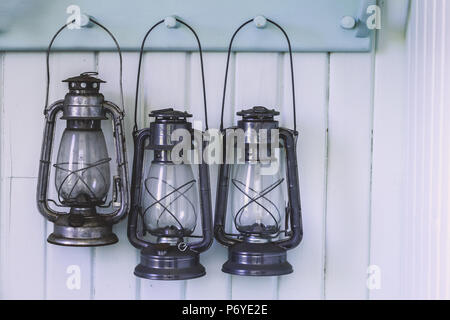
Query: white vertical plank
x: 23, y: 105
x: 444, y: 165
x: 25, y: 248
x: 405, y: 245
x: 3, y: 182
x: 22, y: 228
x: 215, y: 285
x: 418, y: 264
x: 388, y: 162
x: 119, y: 259
x: 164, y: 86
x: 311, y: 81
x: 427, y: 198
x: 60, y: 259
x: 409, y: 239
x: 427, y: 109
x: 347, y: 225
x: 436, y: 150
x: 257, y: 83
x: 5, y: 217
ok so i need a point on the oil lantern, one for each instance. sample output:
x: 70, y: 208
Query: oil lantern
x: 168, y: 199
x: 84, y: 178
x: 264, y: 224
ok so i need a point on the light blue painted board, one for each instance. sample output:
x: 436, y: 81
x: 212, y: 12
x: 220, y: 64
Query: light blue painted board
x: 388, y: 185
x: 311, y: 76
x: 348, y: 180
x: 24, y: 98
x: 312, y: 25
x: 216, y: 284
x: 23, y: 248
x: 113, y: 267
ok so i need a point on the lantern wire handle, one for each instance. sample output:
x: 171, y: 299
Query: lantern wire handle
x: 201, y: 67
x: 228, y: 63
x: 48, y: 60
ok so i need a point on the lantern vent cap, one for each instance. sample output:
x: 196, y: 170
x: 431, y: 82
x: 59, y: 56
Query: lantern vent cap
x: 84, y: 83
x: 258, y: 112
x: 85, y: 77
x: 169, y: 113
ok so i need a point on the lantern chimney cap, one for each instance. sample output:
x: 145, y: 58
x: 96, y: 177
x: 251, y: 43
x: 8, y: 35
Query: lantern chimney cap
x: 85, y: 77
x: 258, y: 112
x: 85, y: 82
x: 169, y: 113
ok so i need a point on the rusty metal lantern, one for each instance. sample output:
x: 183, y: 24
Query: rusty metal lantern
x: 167, y: 199
x: 83, y: 167
x: 258, y: 245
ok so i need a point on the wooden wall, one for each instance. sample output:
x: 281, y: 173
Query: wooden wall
x: 350, y: 151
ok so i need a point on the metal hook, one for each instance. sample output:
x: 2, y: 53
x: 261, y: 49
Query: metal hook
x: 260, y: 22
x: 171, y: 22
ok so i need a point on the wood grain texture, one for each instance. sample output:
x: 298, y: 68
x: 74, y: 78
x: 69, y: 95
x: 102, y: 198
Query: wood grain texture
x: 349, y: 165
x: 22, y: 227
x: 311, y: 76
x: 23, y: 248
x: 426, y: 235
x: 24, y: 98
x: 388, y: 162
x: 345, y: 229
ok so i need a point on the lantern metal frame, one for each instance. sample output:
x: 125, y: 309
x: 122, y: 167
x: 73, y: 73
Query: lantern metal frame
x: 83, y: 226
x: 249, y: 257
x: 167, y: 261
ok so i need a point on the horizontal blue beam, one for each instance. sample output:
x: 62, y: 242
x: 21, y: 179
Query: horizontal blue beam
x: 313, y: 25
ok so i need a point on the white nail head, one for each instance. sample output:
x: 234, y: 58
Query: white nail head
x: 84, y: 20
x: 170, y: 22
x: 348, y: 22
x: 260, y: 21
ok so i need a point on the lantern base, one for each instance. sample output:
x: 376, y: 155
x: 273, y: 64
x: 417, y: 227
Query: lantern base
x: 257, y: 259
x: 82, y: 231
x: 169, y: 264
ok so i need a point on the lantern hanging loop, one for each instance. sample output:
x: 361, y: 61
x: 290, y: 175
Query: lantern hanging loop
x: 135, y: 129
x: 228, y: 63
x: 119, y: 51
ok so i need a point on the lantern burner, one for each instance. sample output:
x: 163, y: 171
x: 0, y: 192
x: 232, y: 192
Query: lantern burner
x: 252, y: 196
x: 177, y: 231
x: 76, y: 178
